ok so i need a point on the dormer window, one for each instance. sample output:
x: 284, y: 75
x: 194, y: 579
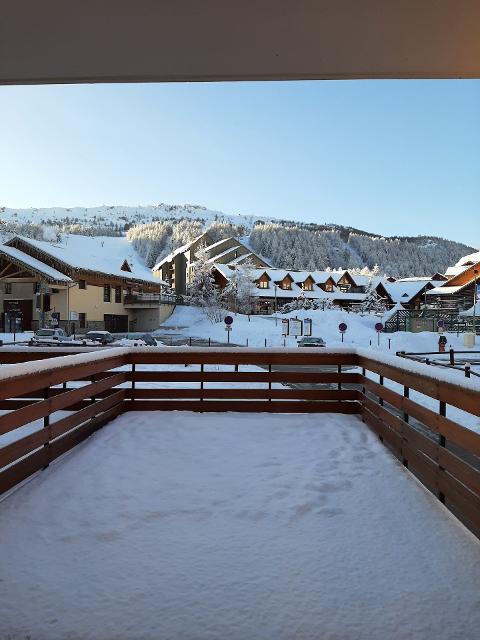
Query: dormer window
x: 125, y: 266
x: 263, y: 284
x: 307, y: 285
x: 328, y: 286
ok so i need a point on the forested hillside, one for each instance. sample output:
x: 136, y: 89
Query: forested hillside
x: 157, y: 230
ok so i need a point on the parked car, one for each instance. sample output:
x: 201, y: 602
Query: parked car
x: 137, y: 340
x: 47, y: 336
x: 105, y: 337
x: 311, y: 342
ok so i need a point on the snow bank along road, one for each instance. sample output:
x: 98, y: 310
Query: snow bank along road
x: 213, y: 526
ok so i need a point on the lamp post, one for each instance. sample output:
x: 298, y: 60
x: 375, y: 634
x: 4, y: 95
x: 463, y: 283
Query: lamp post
x: 276, y: 319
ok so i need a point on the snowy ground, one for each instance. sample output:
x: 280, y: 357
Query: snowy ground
x: 191, y: 321
x: 217, y: 526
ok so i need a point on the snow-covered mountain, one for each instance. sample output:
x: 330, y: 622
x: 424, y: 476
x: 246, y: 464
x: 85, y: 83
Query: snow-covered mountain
x: 122, y: 217
x: 157, y: 229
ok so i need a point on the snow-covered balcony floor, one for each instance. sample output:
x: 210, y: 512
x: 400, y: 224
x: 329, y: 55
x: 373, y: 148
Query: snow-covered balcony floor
x: 204, y: 526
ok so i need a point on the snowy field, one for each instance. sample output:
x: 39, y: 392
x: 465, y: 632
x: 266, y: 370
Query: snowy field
x: 191, y: 321
x: 216, y: 526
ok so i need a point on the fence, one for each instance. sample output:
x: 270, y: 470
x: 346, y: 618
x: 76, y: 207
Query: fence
x: 93, y: 388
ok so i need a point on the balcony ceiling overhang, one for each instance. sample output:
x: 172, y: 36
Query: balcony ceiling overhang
x: 62, y: 41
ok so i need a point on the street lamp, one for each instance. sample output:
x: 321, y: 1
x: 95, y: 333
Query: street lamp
x: 276, y: 319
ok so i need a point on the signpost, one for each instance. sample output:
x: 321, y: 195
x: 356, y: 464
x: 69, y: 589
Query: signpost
x: 307, y: 327
x: 342, y: 327
x: 55, y: 318
x: 228, y: 326
x: 378, y: 329
x: 285, y: 326
x: 296, y: 327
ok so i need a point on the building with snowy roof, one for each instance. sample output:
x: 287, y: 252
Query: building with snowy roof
x: 177, y: 267
x: 80, y: 283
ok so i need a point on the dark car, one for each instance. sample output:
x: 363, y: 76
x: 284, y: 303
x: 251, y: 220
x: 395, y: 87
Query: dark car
x: 146, y: 337
x: 105, y: 337
x: 311, y: 342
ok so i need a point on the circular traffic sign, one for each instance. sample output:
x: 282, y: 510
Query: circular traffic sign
x: 228, y: 320
x: 379, y: 327
x: 342, y: 327
x: 440, y: 324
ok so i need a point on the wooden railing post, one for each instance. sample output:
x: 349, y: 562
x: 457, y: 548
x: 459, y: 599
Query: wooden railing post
x: 406, y: 394
x: 442, y: 443
x: 133, y: 381
x: 380, y: 400
x: 339, y: 371
x: 46, y: 425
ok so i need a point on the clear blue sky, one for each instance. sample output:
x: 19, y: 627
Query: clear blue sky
x: 394, y: 157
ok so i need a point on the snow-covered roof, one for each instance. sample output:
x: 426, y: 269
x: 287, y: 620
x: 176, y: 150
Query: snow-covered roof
x: 32, y: 263
x: 470, y: 312
x: 215, y: 245
x: 445, y: 290
x: 104, y: 254
x: 245, y: 256
x: 473, y: 258
x: 455, y: 271
x: 401, y: 291
x: 223, y: 254
x: 171, y: 256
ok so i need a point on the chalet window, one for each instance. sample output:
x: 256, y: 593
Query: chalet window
x: 8, y: 287
x: 286, y: 285
x: 46, y: 302
x: 82, y: 320
x: 36, y: 287
x: 263, y: 284
x: 307, y: 286
x: 82, y: 284
x: 118, y: 294
x: 328, y: 286
x: 344, y: 288
x: 107, y: 291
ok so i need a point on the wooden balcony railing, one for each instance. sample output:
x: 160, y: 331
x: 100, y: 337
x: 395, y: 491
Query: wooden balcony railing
x: 415, y: 412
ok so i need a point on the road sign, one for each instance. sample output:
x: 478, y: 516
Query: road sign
x: 228, y: 320
x: 440, y: 324
x: 285, y: 327
x: 342, y: 327
x: 379, y: 327
x: 228, y: 328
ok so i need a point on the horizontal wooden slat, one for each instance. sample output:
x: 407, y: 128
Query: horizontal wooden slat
x: 243, y: 356
x: 459, y: 469
x: 306, y: 377
x: 16, y: 385
x: 458, y: 496
x: 60, y: 427
x: 252, y: 406
x: 456, y: 395
x: 23, y: 446
x: 462, y: 436
x: 32, y: 412
x: 246, y: 394
x: 23, y: 469
x: 67, y: 442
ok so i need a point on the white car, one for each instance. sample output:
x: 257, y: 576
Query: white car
x: 50, y: 336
